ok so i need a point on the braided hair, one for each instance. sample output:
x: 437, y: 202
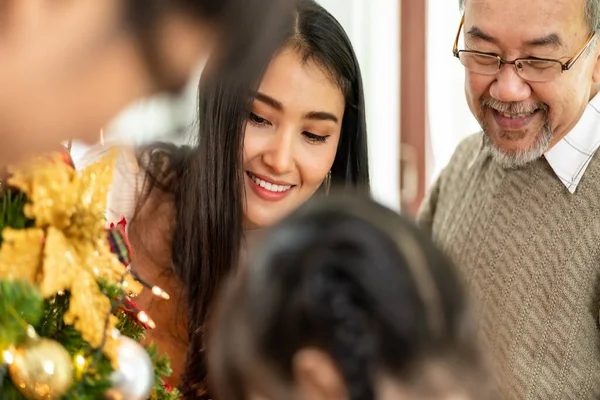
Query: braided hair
x: 353, y: 279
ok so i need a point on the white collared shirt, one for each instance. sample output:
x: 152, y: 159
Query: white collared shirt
x: 570, y: 157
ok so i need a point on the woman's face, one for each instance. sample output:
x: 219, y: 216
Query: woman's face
x: 291, y: 138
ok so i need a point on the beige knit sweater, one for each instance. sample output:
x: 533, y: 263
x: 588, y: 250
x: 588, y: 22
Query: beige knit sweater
x: 530, y: 254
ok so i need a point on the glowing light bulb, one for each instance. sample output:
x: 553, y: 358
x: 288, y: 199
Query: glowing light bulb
x: 159, y: 292
x: 145, y: 319
x: 8, y: 357
x: 80, y: 360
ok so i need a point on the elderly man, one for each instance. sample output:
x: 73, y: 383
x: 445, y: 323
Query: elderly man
x: 518, y: 206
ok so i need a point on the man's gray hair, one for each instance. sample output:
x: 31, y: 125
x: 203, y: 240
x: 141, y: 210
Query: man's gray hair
x: 592, y: 13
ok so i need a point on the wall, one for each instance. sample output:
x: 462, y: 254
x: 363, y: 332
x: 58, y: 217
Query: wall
x: 373, y: 28
x: 449, y: 117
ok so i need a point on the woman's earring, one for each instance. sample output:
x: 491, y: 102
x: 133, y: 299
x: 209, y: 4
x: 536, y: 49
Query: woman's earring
x: 327, y: 183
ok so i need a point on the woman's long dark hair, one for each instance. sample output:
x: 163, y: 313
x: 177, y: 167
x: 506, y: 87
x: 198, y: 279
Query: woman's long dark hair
x: 354, y: 279
x: 209, y: 179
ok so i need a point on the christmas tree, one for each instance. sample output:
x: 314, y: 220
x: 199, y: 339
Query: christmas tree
x: 69, y: 327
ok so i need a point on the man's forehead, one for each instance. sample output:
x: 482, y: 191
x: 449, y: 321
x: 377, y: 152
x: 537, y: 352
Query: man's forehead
x: 513, y: 12
x: 530, y: 23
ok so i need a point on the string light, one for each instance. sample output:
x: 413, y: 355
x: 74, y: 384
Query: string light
x: 80, y: 365
x: 8, y: 357
x: 80, y: 360
x: 157, y: 291
x: 161, y: 293
x: 145, y: 319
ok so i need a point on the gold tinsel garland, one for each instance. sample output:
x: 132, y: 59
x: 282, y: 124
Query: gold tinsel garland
x: 67, y: 249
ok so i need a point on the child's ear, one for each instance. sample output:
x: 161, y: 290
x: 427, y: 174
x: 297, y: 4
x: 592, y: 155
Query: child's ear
x: 316, y: 377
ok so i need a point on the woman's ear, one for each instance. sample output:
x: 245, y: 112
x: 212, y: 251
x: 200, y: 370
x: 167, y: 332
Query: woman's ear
x: 316, y: 376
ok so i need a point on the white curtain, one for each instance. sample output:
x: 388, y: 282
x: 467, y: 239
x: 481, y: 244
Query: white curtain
x: 449, y: 117
x: 373, y: 27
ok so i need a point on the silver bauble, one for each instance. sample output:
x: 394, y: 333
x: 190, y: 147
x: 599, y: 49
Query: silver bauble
x: 134, y: 380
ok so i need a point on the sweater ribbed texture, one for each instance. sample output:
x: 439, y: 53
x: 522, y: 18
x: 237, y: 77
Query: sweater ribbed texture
x: 529, y: 252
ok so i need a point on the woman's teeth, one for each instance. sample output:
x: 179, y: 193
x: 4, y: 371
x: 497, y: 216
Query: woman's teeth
x: 268, y: 185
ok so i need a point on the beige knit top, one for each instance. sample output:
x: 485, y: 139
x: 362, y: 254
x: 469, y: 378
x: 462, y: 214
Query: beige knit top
x: 530, y: 254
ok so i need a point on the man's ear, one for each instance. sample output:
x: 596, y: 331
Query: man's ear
x: 316, y: 376
x: 596, y: 53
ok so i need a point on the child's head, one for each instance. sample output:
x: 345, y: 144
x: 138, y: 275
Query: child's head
x: 344, y: 300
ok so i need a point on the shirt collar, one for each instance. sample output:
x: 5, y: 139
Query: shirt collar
x: 570, y: 157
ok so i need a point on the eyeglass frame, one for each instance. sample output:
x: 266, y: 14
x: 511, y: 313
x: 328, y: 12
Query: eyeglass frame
x: 564, y: 66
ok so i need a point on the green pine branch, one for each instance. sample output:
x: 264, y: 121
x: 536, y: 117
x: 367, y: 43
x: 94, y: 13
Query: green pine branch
x: 12, y: 204
x: 162, y: 369
x: 21, y: 304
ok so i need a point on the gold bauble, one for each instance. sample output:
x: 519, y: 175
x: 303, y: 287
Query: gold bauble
x: 42, y: 369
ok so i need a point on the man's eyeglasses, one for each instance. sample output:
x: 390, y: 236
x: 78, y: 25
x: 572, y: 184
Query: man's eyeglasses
x: 530, y: 69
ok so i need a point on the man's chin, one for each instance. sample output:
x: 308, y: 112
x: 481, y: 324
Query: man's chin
x: 511, y: 142
x: 513, y: 153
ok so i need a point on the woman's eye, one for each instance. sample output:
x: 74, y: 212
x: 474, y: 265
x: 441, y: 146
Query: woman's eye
x: 311, y: 137
x: 258, y: 120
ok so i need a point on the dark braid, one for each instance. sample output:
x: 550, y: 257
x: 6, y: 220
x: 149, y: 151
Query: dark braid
x: 341, y: 276
x: 341, y: 316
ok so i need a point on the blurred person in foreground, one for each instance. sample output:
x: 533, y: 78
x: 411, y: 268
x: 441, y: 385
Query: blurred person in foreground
x: 68, y: 67
x: 345, y: 300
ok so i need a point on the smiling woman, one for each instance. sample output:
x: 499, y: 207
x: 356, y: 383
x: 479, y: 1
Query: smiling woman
x: 291, y: 138
x: 284, y: 141
x: 265, y: 146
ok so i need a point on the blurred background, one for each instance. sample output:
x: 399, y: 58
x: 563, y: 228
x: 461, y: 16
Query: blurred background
x: 416, y: 110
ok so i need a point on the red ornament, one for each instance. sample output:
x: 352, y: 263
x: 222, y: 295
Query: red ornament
x: 122, y: 223
x: 167, y: 387
x: 65, y: 157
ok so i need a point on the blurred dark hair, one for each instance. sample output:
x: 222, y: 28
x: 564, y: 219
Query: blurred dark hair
x: 245, y: 28
x: 209, y: 184
x: 354, y: 279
